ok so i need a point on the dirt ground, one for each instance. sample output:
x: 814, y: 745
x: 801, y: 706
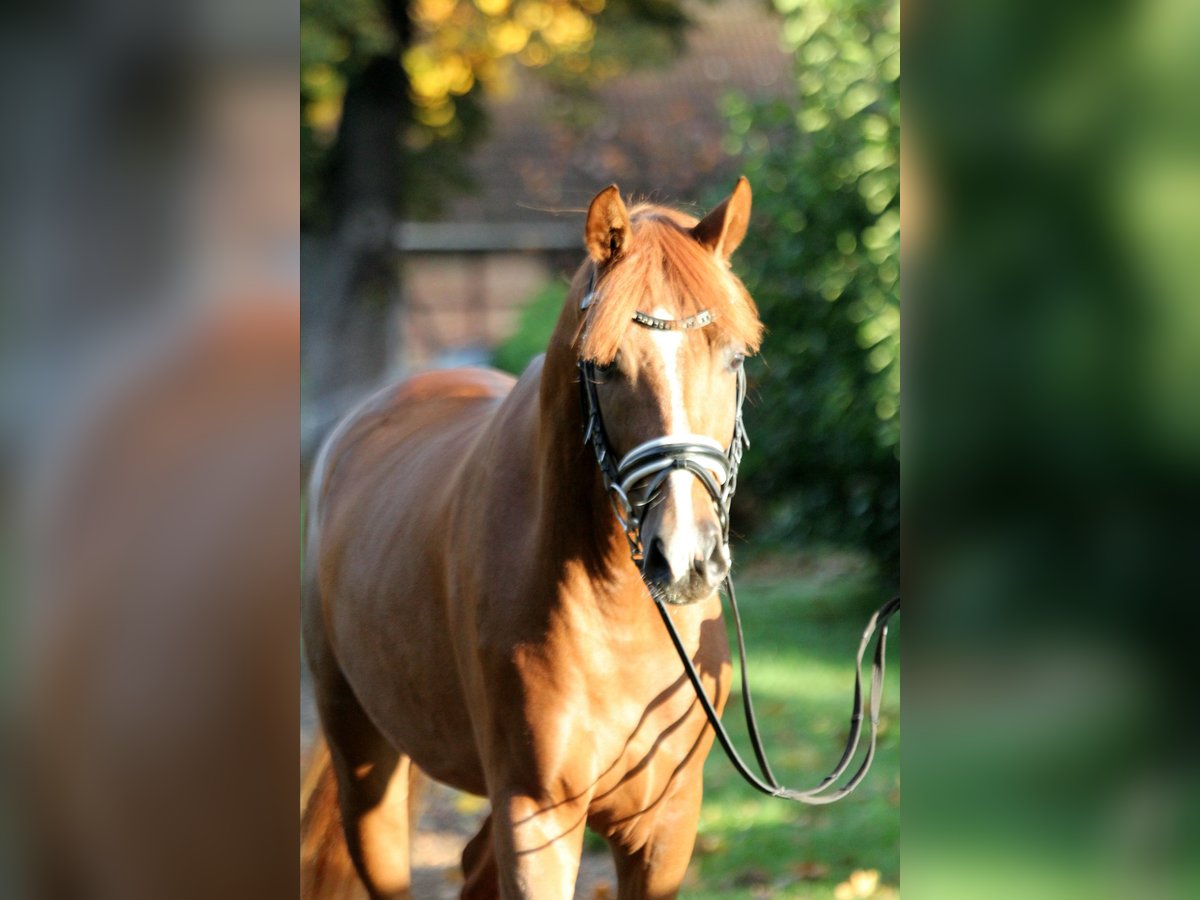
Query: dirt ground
x: 448, y: 820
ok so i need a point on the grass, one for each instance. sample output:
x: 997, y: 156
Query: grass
x: 802, y: 630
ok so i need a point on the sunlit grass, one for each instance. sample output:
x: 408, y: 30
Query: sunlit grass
x: 802, y: 630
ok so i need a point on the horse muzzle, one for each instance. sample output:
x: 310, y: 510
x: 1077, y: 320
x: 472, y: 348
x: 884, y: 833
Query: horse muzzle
x: 685, y: 564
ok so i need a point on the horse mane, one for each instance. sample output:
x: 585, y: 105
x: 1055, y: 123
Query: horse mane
x: 665, y: 267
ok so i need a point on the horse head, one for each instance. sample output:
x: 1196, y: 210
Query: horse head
x: 663, y: 331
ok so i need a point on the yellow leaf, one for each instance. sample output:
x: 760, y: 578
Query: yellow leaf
x: 508, y: 37
x: 861, y: 883
x: 433, y: 12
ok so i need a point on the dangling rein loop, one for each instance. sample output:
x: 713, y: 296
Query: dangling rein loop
x: 768, y: 784
x: 645, y: 466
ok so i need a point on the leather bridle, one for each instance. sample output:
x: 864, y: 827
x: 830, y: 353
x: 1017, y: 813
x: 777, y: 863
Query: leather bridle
x: 633, y: 482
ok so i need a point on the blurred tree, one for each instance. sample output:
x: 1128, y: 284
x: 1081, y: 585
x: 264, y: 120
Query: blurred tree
x: 450, y: 53
x: 391, y: 87
x: 823, y: 265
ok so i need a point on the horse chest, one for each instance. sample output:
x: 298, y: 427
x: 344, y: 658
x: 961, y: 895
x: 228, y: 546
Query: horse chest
x: 632, y: 732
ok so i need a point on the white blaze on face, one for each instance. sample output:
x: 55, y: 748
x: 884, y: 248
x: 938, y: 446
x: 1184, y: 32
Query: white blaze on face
x: 680, y: 544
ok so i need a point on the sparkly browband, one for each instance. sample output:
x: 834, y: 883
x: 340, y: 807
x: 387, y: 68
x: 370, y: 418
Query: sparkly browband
x: 699, y: 320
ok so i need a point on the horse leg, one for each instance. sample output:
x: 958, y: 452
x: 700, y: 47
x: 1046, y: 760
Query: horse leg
x: 481, y: 879
x: 537, y: 846
x: 375, y: 782
x: 656, y: 869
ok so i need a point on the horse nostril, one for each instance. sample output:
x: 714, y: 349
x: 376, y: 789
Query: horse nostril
x: 655, y: 567
x: 709, y: 561
x: 717, y: 568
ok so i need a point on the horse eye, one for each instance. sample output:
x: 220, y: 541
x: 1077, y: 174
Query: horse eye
x: 609, y: 366
x: 736, y: 360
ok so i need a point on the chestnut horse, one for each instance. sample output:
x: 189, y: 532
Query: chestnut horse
x: 471, y: 607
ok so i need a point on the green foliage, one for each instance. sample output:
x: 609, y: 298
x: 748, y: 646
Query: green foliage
x: 822, y: 261
x: 534, y: 330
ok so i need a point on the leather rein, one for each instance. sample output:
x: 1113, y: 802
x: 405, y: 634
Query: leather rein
x: 632, y: 482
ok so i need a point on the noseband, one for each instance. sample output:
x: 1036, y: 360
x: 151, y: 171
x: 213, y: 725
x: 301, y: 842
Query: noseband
x: 634, y: 481
x: 632, y: 484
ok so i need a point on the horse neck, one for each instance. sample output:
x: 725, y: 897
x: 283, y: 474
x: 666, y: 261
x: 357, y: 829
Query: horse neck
x: 578, y: 523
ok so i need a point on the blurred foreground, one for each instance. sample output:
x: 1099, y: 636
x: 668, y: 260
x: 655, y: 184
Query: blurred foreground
x: 1051, y: 215
x: 148, y: 459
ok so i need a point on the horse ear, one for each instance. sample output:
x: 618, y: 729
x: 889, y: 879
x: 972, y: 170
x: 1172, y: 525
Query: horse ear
x: 607, y: 231
x: 722, y: 230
